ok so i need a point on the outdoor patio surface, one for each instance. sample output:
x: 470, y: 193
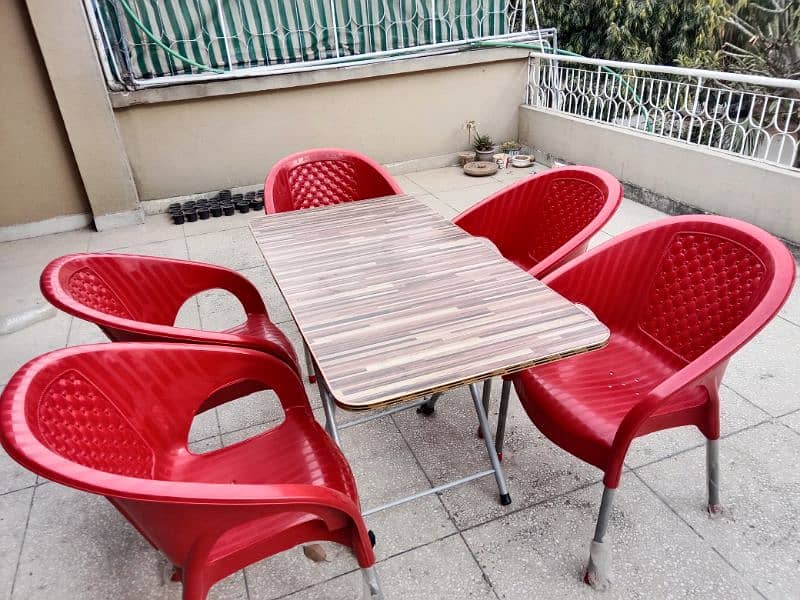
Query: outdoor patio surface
x: 57, y: 543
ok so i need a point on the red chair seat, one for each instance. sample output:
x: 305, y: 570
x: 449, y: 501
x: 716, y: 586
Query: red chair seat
x: 307, y: 456
x: 579, y: 402
x: 305, y: 452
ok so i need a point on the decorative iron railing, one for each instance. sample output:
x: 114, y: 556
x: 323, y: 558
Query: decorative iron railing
x: 161, y: 42
x: 753, y: 117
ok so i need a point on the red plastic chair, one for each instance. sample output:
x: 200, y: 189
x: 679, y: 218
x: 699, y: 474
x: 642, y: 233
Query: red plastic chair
x: 325, y: 176
x: 543, y: 221
x: 113, y: 420
x: 136, y: 298
x: 680, y: 296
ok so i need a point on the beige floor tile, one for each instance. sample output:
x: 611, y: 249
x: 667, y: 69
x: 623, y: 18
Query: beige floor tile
x: 766, y: 370
x: 156, y: 228
x: 629, y: 215
x: 408, y: 185
x: 78, y: 547
x: 19, y: 347
x: 444, y: 570
x: 791, y: 310
x: 736, y: 414
x: 14, y: 509
x: 447, y: 446
x: 792, y: 420
x: 174, y: 248
x: 760, y: 491
x: 446, y: 179
x: 232, y: 248
x: 542, y: 551
x: 462, y: 199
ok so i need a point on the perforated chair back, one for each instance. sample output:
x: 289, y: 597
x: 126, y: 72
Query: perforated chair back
x: 541, y: 222
x: 137, y: 298
x: 325, y: 176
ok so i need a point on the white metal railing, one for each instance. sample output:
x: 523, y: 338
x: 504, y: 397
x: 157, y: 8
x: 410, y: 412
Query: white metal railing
x: 144, y: 43
x: 749, y: 116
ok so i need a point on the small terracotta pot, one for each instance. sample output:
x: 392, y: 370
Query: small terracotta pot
x: 466, y: 157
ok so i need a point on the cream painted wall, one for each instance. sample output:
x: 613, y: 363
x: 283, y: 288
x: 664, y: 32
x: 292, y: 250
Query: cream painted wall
x: 38, y: 176
x: 185, y: 147
x: 760, y: 194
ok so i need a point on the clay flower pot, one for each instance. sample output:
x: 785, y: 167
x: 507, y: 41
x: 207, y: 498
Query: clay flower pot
x: 466, y: 157
x: 486, y: 155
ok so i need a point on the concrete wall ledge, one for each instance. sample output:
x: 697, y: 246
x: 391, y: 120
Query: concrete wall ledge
x: 22, y: 231
x: 666, y: 171
x: 331, y: 74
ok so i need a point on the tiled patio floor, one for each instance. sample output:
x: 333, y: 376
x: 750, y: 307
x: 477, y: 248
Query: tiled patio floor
x: 56, y: 543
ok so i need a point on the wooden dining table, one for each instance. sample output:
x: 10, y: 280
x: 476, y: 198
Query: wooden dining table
x: 395, y: 303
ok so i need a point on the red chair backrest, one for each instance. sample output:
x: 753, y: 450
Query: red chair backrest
x: 548, y: 218
x: 135, y: 288
x: 325, y: 176
x: 683, y: 284
x: 104, y: 418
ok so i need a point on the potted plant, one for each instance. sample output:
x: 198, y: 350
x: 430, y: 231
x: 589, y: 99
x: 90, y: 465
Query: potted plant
x: 484, y: 146
x: 511, y: 147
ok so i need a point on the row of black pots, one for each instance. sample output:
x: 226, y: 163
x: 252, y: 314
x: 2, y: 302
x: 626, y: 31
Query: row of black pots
x: 217, y: 206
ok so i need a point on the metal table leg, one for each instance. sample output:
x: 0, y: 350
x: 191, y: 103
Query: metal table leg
x: 483, y: 421
x: 329, y: 407
x: 501, y: 419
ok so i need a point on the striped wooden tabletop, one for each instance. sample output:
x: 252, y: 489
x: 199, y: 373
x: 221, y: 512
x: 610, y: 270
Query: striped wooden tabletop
x: 396, y: 302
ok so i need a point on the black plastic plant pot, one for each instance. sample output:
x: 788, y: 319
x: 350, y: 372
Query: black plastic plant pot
x: 225, y: 195
x: 243, y: 206
x: 260, y: 194
x: 256, y: 204
x: 249, y: 196
x: 228, y: 210
x: 237, y: 198
x: 216, y: 210
x: 174, y: 205
x: 190, y: 215
x: 178, y: 218
x: 203, y: 213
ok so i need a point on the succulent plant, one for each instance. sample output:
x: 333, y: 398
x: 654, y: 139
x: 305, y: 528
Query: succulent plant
x: 510, y: 146
x: 482, y: 142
